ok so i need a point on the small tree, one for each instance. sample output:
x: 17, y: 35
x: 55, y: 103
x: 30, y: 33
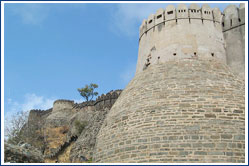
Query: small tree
x: 14, y: 127
x: 88, y: 91
x: 18, y: 129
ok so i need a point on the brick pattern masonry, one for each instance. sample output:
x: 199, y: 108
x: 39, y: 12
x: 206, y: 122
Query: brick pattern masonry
x: 190, y: 110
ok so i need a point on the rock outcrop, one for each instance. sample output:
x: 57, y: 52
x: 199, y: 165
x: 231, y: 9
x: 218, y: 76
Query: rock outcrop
x: 69, y: 130
x: 23, y: 153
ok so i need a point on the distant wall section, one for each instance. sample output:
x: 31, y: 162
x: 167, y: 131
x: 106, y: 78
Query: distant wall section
x: 62, y: 104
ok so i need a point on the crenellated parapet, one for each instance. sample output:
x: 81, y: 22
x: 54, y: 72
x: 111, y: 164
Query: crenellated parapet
x: 233, y: 17
x: 105, y: 100
x: 37, y: 116
x: 233, y: 25
x: 39, y: 112
x: 181, y: 32
x: 193, y: 13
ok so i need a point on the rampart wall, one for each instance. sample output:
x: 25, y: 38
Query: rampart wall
x: 37, y: 117
x: 234, y: 35
x: 62, y: 104
x: 179, y: 33
x: 92, y: 112
x: 105, y: 100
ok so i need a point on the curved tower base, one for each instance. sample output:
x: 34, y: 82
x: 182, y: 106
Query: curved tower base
x: 189, y: 110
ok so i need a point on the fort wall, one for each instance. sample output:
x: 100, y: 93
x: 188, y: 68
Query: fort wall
x: 234, y: 35
x: 105, y: 100
x: 92, y: 112
x: 180, y: 33
x: 62, y: 105
x: 184, y: 104
x: 37, y: 117
x: 188, y: 111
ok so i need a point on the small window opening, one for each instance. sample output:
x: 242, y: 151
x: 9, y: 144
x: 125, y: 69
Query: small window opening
x: 184, y: 10
x: 205, y: 12
x: 194, y: 53
x: 179, y: 11
x: 189, y: 20
x: 212, y: 54
x: 159, y: 16
x: 194, y: 10
x: 170, y: 12
x: 223, y: 24
x: 231, y: 22
x: 239, y: 20
x: 150, y: 21
x: 174, y: 54
x: 158, y: 57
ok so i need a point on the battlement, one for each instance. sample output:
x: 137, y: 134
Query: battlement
x: 38, y: 115
x: 233, y: 25
x: 105, y: 100
x: 233, y: 17
x: 62, y: 104
x: 193, y: 14
x: 181, y: 32
x: 39, y: 112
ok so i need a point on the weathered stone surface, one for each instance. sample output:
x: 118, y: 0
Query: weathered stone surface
x: 178, y: 137
x: 24, y: 153
x: 60, y: 131
x: 184, y: 104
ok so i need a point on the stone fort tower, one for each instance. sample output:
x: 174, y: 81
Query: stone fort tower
x: 186, y: 102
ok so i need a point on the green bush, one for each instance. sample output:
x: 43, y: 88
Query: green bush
x: 80, y: 126
x: 90, y: 160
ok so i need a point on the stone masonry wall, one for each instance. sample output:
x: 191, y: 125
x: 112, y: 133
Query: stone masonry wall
x: 189, y: 110
x: 234, y: 35
x: 61, y: 131
x: 179, y: 33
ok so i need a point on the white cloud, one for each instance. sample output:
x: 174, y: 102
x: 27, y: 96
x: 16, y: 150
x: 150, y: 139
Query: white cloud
x: 31, y: 13
x: 128, y: 17
x: 31, y: 101
x: 78, y: 100
x: 128, y: 74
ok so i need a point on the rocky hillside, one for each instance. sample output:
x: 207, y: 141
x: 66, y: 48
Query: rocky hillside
x: 68, y: 134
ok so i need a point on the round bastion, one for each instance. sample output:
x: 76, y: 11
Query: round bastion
x: 184, y: 105
x: 62, y: 105
x: 179, y: 33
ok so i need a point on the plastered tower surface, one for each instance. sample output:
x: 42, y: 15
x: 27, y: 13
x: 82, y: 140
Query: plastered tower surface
x: 186, y: 105
x: 173, y: 34
x: 234, y: 34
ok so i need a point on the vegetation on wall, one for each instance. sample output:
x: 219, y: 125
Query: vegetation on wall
x: 80, y: 126
x: 88, y: 91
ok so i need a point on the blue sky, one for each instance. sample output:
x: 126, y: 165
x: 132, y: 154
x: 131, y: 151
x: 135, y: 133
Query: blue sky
x: 53, y: 49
